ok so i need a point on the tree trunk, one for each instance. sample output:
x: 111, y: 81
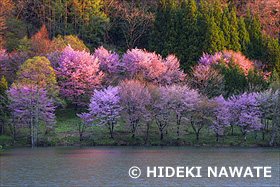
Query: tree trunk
x: 197, y: 135
x: 111, y: 129
x: 147, y: 132
x: 263, y: 121
x: 274, y: 121
x: 2, y: 128
x: 13, y: 130
x: 133, y: 130
x: 31, y: 129
x: 111, y: 134
x: 256, y: 135
x: 76, y: 107
x: 14, y: 134
x: 161, y: 134
x: 178, y: 132
x: 36, y: 124
x: 31, y: 134
x: 266, y: 124
x: 178, y: 127
x: 81, y: 136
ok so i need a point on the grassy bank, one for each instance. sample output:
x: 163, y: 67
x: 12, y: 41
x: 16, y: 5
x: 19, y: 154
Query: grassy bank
x: 65, y: 133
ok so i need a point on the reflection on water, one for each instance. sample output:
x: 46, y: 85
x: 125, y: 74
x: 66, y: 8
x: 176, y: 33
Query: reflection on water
x: 108, y: 166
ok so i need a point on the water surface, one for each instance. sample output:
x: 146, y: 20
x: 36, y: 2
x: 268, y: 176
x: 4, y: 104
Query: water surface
x: 108, y: 166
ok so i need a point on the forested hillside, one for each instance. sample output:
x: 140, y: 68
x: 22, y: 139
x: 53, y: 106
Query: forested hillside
x: 184, y: 28
x: 141, y: 66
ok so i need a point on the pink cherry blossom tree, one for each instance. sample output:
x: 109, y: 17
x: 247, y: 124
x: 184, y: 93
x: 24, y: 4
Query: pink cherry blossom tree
x: 111, y: 65
x: 245, y: 113
x: 28, y: 110
x: 202, y: 116
x: 160, y: 109
x: 207, y: 80
x: 226, y: 57
x: 104, y: 108
x: 109, y: 61
x: 152, y: 67
x: 269, y: 102
x: 180, y: 100
x: 85, y: 122
x: 134, y: 98
x: 10, y: 63
x: 78, y: 75
x: 222, y: 117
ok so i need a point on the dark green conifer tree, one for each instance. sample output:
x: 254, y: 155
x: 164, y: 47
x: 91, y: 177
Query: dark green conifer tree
x: 217, y: 12
x: 225, y: 27
x: 274, y: 80
x: 234, y: 38
x: 244, y: 38
x: 235, y: 79
x: 190, y: 43
x: 180, y: 47
x: 255, y: 47
x: 159, y: 26
x: 203, y: 18
x: 271, y: 54
x: 164, y: 33
x: 213, y: 41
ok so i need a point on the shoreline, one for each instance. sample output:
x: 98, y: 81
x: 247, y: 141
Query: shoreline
x: 141, y: 145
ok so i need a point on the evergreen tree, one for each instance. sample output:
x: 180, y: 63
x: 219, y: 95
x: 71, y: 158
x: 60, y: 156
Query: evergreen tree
x: 235, y: 79
x: 180, y: 48
x: 14, y: 32
x: 164, y: 32
x: 271, y: 54
x: 274, y: 80
x: 255, y: 48
x: 217, y: 12
x: 171, y: 35
x: 244, y: 38
x: 256, y: 82
x: 234, y: 38
x: 160, y: 25
x: 190, y: 42
x: 83, y: 18
x: 213, y: 41
x: 226, y: 30
x: 203, y: 18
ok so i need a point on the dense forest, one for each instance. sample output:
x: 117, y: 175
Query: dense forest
x: 148, y: 66
x: 184, y: 28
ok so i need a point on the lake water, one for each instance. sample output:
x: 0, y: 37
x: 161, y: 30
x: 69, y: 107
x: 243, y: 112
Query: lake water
x: 109, y: 166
